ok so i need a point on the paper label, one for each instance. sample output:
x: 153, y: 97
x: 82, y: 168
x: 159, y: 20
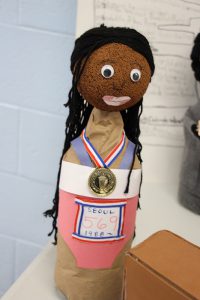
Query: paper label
x: 99, y: 221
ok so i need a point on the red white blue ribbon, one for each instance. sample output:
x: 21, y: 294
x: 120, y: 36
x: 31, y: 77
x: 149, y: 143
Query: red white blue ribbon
x: 95, y: 156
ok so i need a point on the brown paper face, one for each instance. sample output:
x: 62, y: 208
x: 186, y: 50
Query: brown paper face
x: 115, y: 77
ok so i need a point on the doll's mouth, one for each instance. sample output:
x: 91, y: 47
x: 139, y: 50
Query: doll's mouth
x: 115, y: 101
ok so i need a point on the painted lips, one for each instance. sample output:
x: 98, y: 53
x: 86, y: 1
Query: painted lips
x: 116, y: 101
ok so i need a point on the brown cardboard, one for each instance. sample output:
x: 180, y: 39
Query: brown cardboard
x: 163, y: 267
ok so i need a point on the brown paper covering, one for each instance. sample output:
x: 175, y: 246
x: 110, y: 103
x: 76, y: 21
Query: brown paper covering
x: 85, y: 284
x: 102, y: 284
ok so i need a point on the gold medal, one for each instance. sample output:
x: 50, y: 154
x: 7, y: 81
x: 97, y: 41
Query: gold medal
x: 102, y: 181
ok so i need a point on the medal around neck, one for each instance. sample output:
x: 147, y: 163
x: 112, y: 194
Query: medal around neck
x: 102, y: 181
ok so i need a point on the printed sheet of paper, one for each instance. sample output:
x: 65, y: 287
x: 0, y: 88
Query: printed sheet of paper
x: 170, y: 26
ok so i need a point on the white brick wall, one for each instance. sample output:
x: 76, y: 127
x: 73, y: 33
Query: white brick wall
x: 37, y: 38
x: 38, y: 155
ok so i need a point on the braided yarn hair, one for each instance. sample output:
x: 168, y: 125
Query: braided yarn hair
x: 80, y: 109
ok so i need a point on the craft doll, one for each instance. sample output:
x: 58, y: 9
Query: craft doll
x: 189, y: 192
x: 100, y: 168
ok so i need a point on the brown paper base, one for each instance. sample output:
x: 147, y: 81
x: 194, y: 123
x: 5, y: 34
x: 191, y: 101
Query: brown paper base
x: 85, y: 284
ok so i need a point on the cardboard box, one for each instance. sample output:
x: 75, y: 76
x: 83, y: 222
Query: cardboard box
x: 163, y: 267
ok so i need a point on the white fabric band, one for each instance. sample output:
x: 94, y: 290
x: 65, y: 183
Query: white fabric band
x: 74, y: 179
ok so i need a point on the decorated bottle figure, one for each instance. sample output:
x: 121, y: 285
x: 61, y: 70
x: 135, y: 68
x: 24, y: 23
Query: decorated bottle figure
x: 189, y: 191
x: 100, y: 169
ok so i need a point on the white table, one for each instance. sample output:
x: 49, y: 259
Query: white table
x: 160, y: 210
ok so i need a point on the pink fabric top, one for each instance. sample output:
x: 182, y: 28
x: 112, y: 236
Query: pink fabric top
x: 96, y: 230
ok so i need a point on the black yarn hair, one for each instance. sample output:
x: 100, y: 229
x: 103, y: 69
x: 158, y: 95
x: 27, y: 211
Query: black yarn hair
x: 80, y: 109
x: 195, y: 57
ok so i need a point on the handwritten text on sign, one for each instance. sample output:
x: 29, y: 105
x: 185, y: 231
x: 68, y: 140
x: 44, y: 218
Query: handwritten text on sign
x: 99, y: 221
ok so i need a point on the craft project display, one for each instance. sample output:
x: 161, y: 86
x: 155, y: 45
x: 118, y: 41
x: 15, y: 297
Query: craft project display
x: 189, y: 192
x: 100, y: 168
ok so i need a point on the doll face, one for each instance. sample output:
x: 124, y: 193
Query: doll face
x: 115, y: 77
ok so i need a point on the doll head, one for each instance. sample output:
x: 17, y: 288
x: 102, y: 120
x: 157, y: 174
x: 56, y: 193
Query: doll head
x: 195, y: 57
x: 115, y: 77
x: 111, y: 69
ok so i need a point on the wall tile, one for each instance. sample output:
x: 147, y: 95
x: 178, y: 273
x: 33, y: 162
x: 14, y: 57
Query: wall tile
x: 7, y: 251
x: 35, y: 69
x: 25, y: 253
x: 22, y: 203
x: 9, y: 11
x: 9, y: 129
x: 41, y: 143
x: 59, y: 15
x: 35, y: 79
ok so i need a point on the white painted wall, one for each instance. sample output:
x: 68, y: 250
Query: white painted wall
x: 37, y: 38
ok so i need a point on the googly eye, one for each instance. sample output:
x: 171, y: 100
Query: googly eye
x: 107, y: 71
x: 135, y: 75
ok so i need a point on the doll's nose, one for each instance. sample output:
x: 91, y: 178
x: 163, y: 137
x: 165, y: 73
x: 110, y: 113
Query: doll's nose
x: 118, y: 85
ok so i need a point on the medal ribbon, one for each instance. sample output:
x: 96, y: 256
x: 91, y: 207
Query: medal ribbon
x: 95, y: 156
